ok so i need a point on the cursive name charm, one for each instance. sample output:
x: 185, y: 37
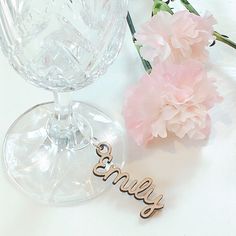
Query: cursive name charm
x: 140, y: 190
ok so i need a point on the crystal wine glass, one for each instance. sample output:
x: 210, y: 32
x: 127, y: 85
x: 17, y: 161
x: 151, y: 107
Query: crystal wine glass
x: 61, y: 46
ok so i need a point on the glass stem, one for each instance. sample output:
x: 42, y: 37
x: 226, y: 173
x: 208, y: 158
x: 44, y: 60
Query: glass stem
x: 67, y: 128
x: 61, y: 126
x: 63, y: 105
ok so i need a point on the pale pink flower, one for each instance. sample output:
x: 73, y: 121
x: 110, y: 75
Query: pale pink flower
x: 176, y: 37
x: 172, y: 99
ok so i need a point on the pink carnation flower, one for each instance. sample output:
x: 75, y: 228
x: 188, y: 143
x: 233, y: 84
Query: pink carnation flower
x: 173, y: 98
x: 175, y: 37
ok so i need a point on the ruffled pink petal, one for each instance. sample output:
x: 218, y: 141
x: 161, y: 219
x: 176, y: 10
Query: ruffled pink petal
x: 176, y: 38
x: 172, y: 99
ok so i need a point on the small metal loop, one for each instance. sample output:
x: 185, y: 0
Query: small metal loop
x: 104, y: 149
x: 94, y: 141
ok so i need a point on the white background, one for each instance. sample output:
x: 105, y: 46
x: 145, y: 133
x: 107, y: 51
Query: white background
x: 198, y: 179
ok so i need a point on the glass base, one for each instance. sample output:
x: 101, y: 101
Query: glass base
x: 51, y: 174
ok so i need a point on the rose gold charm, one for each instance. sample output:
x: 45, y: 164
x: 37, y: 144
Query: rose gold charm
x: 140, y: 190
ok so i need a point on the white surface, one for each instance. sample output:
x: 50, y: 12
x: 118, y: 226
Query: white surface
x: 198, y: 180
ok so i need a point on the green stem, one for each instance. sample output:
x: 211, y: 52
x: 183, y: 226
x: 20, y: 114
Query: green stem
x: 224, y: 39
x: 218, y: 36
x: 189, y: 7
x: 147, y: 66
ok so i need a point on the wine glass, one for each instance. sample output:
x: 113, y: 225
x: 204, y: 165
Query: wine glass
x: 61, y: 46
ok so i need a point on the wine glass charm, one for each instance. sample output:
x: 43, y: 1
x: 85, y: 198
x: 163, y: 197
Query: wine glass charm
x: 140, y: 190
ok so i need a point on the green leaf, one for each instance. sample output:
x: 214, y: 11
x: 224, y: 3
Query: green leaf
x: 159, y: 5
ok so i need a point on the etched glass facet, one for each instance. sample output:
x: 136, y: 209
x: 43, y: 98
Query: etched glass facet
x: 62, y: 45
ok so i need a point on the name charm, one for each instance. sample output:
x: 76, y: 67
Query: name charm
x: 140, y: 190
